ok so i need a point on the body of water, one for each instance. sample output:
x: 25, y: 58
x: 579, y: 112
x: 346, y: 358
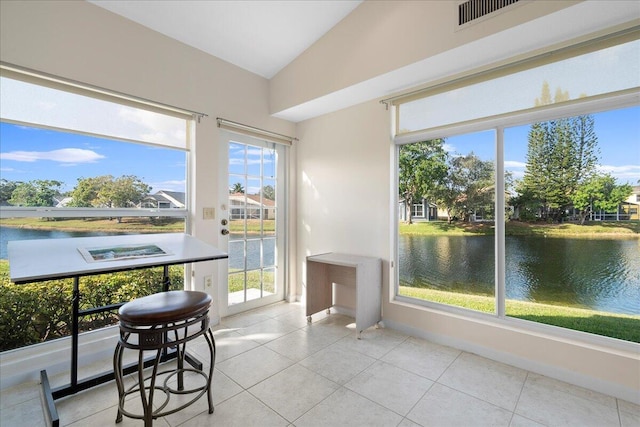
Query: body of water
x: 599, y: 274
x: 9, y: 233
x: 255, y: 248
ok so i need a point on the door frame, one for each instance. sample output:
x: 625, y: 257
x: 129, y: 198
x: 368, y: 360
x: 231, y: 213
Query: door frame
x: 282, y: 241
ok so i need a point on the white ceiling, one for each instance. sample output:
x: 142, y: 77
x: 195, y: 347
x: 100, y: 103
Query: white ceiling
x: 259, y: 36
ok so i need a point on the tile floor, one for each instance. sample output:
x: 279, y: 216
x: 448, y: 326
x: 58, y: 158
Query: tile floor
x: 274, y: 369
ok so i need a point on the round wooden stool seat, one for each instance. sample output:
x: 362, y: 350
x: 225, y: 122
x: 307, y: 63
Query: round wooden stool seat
x: 164, y: 307
x: 163, y: 323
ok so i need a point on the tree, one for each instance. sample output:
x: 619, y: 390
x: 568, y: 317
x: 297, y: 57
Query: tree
x: 125, y: 191
x: 269, y: 192
x: 467, y: 187
x: 6, y: 190
x: 38, y: 192
x: 422, y: 166
x: 236, y: 188
x: 85, y: 193
x: 599, y: 193
x: 561, y: 155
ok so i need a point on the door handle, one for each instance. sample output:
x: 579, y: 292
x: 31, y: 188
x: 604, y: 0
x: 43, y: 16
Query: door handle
x: 224, y: 231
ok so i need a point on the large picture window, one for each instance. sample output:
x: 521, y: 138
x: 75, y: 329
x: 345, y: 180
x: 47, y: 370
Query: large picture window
x: 79, y: 162
x: 537, y: 207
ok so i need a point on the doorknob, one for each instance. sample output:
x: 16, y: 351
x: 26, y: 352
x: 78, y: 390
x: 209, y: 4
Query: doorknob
x: 224, y: 231
x: 224, y: 221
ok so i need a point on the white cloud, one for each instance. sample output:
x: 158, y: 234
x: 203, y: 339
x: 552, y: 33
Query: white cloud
x: 169, y: 185
x: 514, y: 164
x: 449, y: 148
x: 624, y: 174
x: 64, y: 155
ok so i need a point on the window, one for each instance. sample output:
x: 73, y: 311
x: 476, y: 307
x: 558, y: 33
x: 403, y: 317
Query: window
x: 418, y: 210
x: 76, y: 161
x: 439, y: 260
x: 537, y: 203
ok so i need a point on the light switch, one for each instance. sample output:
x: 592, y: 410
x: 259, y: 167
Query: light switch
x: 208, y: 213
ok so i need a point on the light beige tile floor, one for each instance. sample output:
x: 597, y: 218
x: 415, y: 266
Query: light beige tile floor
x: 274, y: 369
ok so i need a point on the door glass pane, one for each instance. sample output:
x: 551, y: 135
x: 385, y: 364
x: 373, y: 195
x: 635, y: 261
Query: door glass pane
x: 254, y: 254
x: 269, y: 281
x: 252, y: 239
x: 269, y: 252
x: 236, y: 255
x: 254, y: 161
x: 237, y: 158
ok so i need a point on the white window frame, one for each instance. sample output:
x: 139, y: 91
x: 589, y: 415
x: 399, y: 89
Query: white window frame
x: 614, y: 101
x: 50, y: 81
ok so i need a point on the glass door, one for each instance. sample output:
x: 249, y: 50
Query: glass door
x: 254, y: 203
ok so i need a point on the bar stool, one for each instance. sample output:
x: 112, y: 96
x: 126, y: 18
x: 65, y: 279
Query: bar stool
x: 160, y: 322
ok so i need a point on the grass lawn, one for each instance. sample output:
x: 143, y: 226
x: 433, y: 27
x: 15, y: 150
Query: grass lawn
x: 613, y: 229
x: 130, y: 224
x: 621, y: 326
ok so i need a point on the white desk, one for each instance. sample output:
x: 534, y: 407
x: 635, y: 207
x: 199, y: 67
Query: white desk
x: 363, y: 273
x: 40, y: 260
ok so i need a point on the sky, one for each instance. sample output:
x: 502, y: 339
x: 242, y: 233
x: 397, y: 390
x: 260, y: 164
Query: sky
x: 28, y: 153
x: 618, y: 133
x: 31, y: 153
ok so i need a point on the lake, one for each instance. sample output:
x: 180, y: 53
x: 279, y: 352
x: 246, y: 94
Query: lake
x: 599, y: 274
x: 9, y: 233
x: 236, y: 249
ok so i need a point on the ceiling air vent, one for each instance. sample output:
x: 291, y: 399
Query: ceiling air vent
x: 474, y: 9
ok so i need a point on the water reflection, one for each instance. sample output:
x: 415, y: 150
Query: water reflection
x: 600, y: 274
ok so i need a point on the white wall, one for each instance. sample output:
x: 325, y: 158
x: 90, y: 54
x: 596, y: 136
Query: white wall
x: 343, y: 182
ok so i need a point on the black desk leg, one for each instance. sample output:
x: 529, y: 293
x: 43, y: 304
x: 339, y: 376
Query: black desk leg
x: 75, y: 332
x: 50, y: 406
x: 51, y: 413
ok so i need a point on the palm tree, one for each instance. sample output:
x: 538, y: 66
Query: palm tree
x: 236, y: 188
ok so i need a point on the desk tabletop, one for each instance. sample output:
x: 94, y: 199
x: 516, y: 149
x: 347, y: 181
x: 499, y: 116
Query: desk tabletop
x: 347, y: 260
x: 47, y: 259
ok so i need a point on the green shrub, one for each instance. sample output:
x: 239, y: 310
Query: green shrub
x: 38, y: 312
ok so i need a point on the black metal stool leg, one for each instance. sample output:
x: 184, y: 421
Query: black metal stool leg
x: 212, y: 358
x: 117, y: 369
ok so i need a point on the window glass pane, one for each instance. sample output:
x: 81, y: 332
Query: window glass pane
x: 604, y: 71
x: 30, y: 103
x: 447, y: 256
x: 572, y: 253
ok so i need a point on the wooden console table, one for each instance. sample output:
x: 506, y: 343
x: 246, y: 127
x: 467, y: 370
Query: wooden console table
x: 363, y: 273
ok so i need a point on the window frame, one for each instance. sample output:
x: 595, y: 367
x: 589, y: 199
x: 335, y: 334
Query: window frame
x: 629, y: 98
x: 49, y: 81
